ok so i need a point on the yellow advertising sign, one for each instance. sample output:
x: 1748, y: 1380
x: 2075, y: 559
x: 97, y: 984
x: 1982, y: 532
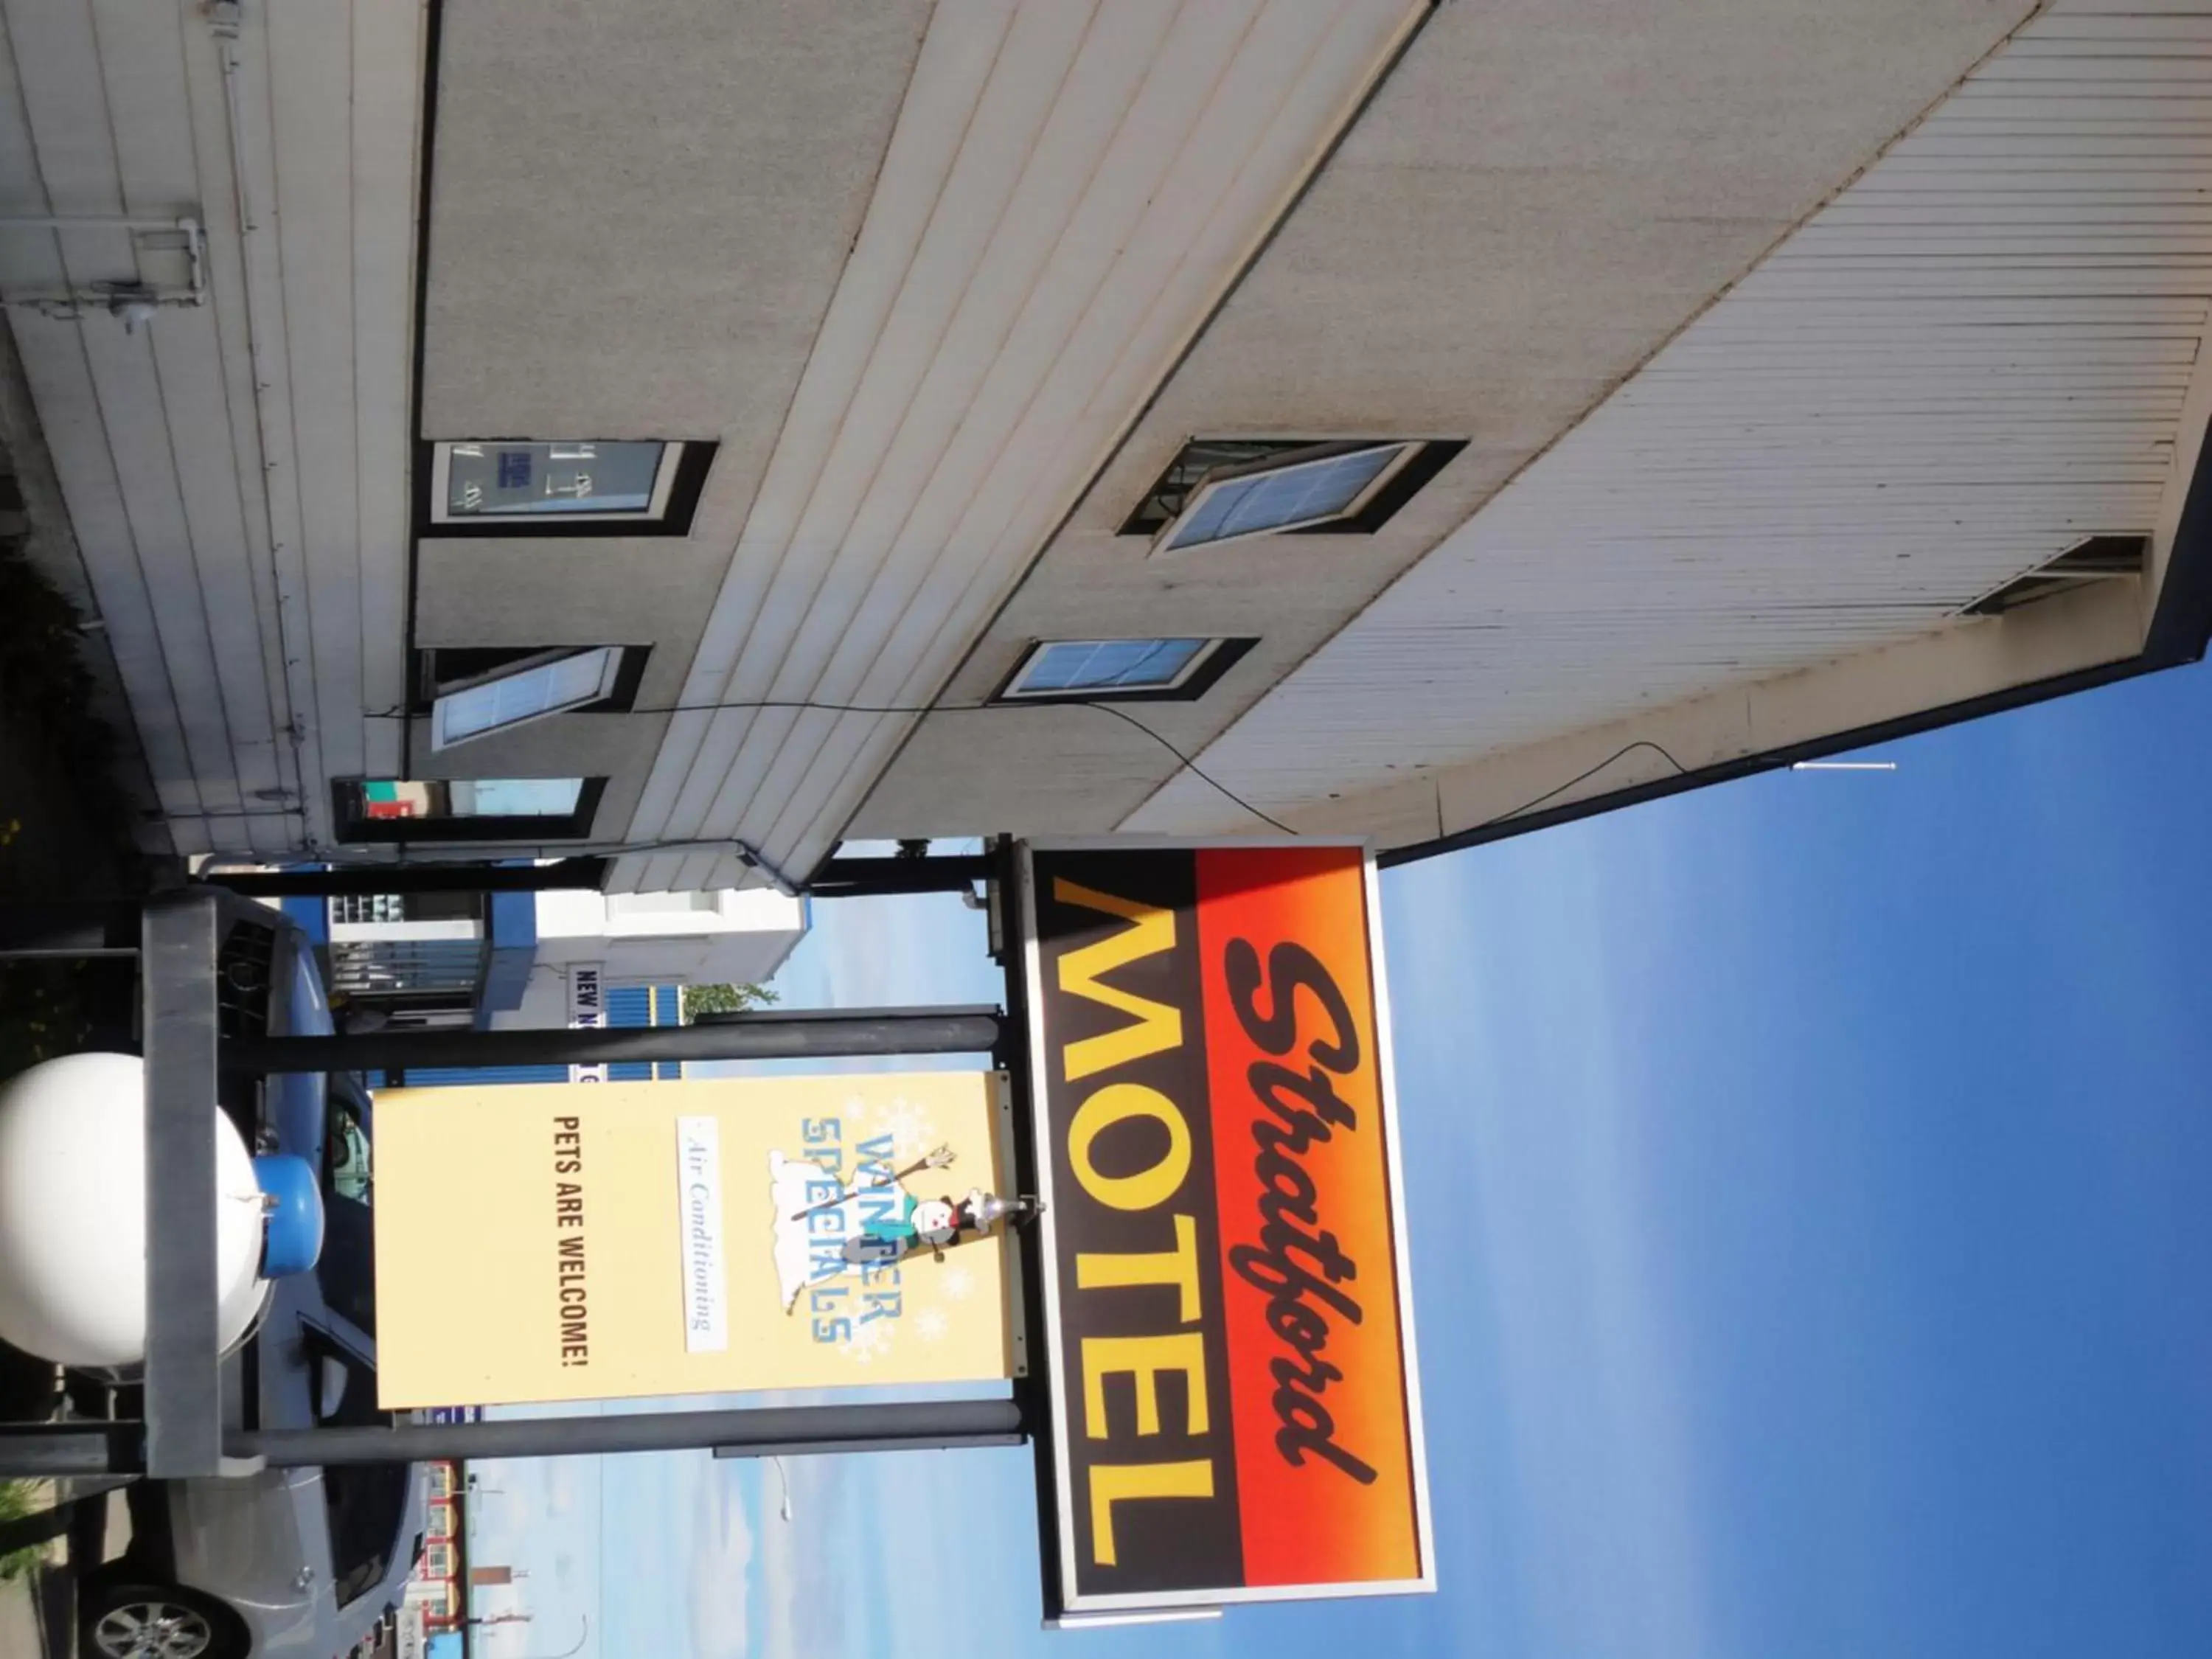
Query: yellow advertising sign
x: 604, y: 1241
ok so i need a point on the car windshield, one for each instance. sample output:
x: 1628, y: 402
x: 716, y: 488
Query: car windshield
x: 346, y: 1271
x: 367, y: 1503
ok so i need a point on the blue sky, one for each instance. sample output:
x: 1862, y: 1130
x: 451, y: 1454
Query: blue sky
x: 1811, y: 1249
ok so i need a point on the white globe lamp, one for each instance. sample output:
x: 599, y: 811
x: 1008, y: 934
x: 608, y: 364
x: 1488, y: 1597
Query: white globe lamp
x: 73, y: 1215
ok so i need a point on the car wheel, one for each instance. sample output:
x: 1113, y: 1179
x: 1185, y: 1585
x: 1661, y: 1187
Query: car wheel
x: 120, y: 1620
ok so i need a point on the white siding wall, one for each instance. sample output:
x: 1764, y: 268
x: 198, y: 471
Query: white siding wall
x: 247, y: 555
x: 1069, y: 190
x: 743, y: 941
x: 1973, y: 358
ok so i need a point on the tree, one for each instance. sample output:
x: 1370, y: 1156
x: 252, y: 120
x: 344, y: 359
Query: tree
x: 724, y: 1000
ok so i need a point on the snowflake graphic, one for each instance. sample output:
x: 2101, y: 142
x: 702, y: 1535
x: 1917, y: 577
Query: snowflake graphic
x: 911, y: 1131
x: 957, y: 1284
x: 931, y: 1325
x: 868, y: 1342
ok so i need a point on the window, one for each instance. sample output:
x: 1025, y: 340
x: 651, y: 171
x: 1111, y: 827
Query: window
x: 345, y: 1270
x: 366, y: 1502
x: 530, y: 810
x: 390, y: 909
x: 2100, y: 558
x: 590, y: 487
x: 1219, y: 490
x: 346, y: 1155
x: 438, y: 1561
x: 473, y: 693
x: 1270, y: 497
x: 441, y: 1480
x: 439, y: 1519
x: 575, y: 480
x: 1120, y: 671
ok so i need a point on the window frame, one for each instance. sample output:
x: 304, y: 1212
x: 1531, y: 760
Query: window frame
x: 354, y: 825
x: 678, y: 482
x: 617, y: 691
x: 430, y: 679
x: 2092, y: 559
x: 1219, y: 478
x: 1424, y: 457
x: 1196, y: 678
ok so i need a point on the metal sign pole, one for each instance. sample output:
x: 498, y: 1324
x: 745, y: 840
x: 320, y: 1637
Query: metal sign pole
x: 378, y: 880
x: 864, y: 877
x: 829, y: 1035
x: 184, y: 1394
x: 788, y: 1430
x: 71, y: 1449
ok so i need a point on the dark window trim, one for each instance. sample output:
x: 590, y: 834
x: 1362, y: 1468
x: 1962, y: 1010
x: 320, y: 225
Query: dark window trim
x: 1226, y: 655
x: 1406, y: 483
x: 355, y: 825
x: 693, y: 462
x: 421, y: 667
x: 2098, y: 558
x: 1408, y: 479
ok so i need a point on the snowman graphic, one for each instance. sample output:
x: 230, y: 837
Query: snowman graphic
x: 934, y: 1224
x: 882, y: 1224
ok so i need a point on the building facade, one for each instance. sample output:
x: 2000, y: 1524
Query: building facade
x: 696, y: 432
x: 497, y: 961
x: 439, y: 1586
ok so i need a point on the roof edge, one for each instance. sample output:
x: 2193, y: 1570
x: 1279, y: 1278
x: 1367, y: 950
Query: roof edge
x: 2179, y: 631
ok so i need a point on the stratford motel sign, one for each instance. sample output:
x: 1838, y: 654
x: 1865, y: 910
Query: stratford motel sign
x: 1233, y: 1399
x: 1170, y: 1223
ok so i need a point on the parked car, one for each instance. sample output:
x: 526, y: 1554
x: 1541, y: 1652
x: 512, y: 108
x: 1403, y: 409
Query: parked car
x: 291, y: 1564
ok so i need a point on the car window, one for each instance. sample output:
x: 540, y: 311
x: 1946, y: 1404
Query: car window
x: 346, y: 1154
x: 367, y: 1503
x: 346, y: 1271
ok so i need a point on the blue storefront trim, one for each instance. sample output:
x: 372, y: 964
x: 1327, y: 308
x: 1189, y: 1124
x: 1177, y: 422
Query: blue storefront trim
x: 512, y: 936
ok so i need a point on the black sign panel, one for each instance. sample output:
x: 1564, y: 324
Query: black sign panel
x: 1128, y: 1355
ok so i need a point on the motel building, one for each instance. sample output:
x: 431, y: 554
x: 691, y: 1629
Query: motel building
x: 568, y: 957
x: 690, y: 434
